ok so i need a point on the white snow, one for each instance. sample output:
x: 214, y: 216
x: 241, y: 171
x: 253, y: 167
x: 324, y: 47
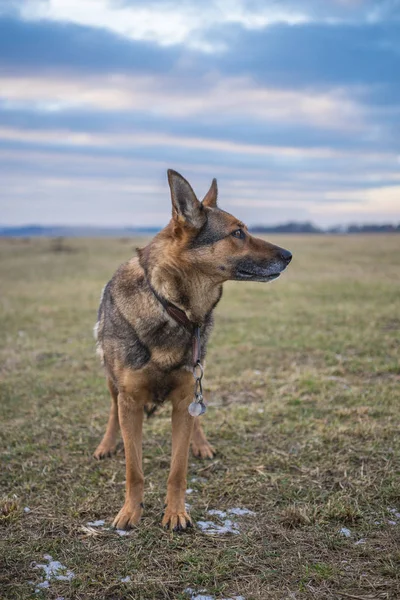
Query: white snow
x: 218, y: 513
x: 195, y: 596
x: 346, y: 532
x: 41, y: 586
x: 126, y: 579
x: 240, y: 511
x: 100, y: 524
x: 122, y: 532
x: 212, y: 528
x: 226, y: 525
x: 202, y: 595
x: 189, y: 491
x: 27, y: 509
x: 52, y: 570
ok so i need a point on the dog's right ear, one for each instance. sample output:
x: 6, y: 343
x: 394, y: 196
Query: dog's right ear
x: 186, y: 209
x: 210, y: 199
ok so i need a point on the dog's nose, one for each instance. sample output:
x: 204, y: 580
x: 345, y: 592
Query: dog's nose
x: 286, y: 255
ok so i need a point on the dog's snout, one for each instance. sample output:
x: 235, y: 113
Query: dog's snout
x: 286, y: 255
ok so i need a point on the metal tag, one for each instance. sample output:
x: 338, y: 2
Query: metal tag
x: 197, y: 407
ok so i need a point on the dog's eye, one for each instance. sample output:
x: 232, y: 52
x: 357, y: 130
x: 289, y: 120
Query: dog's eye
x: 239, y: 233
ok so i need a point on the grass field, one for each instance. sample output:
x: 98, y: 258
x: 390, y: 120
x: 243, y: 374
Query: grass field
x: 303, y: 381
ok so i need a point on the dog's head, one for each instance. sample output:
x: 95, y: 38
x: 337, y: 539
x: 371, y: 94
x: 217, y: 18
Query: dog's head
x: 218, y: 243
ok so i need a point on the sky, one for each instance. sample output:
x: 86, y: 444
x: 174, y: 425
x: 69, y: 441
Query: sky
x: 294, y: 106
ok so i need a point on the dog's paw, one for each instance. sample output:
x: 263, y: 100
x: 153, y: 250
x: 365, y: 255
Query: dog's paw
x: 104, y: 450
x: 128, y: 516
x: 203, y: 450
x: 176, y: 520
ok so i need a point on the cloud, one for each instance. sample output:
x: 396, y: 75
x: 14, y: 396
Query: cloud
x: 169, y: 97
x: 374, y: 204
x: 126, y: 140
x: 292, y: 105
x: 165, y: 23
x: 181, y: 22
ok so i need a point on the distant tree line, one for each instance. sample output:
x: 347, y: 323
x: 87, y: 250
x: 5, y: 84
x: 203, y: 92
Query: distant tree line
x: 308, y: 227
x: 291, y: 227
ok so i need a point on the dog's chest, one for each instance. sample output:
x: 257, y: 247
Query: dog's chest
x: 171, y: 345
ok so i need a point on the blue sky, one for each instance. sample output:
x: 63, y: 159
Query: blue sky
x: 293, y: 105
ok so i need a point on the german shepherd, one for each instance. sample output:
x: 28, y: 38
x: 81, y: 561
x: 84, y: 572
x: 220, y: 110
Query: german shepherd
x: 145, y: 330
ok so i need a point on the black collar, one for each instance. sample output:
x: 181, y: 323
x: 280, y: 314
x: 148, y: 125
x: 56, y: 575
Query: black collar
x: 181, y: 318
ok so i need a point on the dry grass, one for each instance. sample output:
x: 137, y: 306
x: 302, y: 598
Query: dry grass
x: 303, y: 378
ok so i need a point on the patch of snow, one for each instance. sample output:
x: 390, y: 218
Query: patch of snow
x: 217, y: 513
x: 260, y: 410
x: 198, y: 479
x: 189, y: 491
x: 240, y: 511
x: 360, y: 542
x: 42, y: 586
x: 52, y: 570
x: 394, y: 512
x: 187, y: 506
x: 227, y: 525
x: 392, y: 522
x: 202, y: 595
x: 126, y: 579
x: 212, y: 528
x: 55, y: 570
x: 346, y: 532
x: 27, y: 509
x: 98, y: 523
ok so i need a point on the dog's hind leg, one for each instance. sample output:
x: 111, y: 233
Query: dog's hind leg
x: 130, y: 410
x: 201, y: 448
x: 108, y: 444
x: 176, y: 516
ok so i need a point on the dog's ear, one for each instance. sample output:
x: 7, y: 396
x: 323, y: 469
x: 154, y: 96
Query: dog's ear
x: 210, y: 199
x: 185, y: 207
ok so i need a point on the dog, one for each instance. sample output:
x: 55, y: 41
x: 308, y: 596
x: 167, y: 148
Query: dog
x: 154, y: 321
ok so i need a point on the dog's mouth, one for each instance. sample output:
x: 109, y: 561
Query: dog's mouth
x: 243, y: 275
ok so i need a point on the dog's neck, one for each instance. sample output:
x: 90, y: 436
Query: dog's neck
x: 185, y: 286
x: 195, y: 295
x: 191, y: 292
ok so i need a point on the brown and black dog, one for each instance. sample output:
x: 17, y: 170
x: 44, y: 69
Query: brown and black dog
x: 146, y: 319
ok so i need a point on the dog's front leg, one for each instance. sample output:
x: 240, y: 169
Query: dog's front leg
x: 176, y: 516
x: 130, y: 412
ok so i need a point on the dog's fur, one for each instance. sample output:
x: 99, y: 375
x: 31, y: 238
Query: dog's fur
x: 148, y: 355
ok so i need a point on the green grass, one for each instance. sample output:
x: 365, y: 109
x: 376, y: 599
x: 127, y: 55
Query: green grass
x: 303, y: 382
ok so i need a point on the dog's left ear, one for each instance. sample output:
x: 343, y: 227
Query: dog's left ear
x: 210, y: 199
x: 185, y: 207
